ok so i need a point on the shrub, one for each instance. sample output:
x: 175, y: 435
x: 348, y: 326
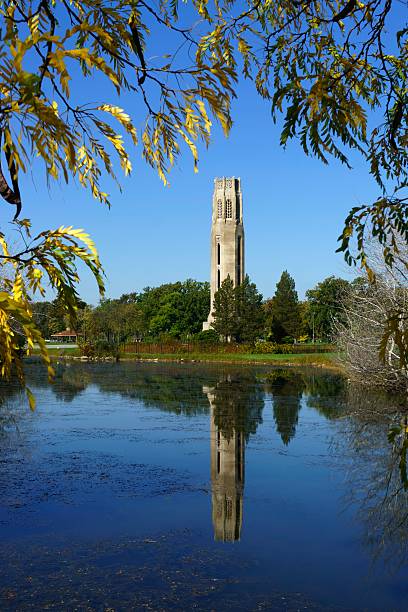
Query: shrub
x: 272, y: 348
x: 285, y: 349
x: 86, y: 348
x: 209, y: 336
x: 265, y: 347
x: 103, y: 348
x: 98, y: 348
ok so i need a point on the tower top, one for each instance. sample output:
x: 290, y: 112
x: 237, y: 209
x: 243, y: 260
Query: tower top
x: 230, y: 182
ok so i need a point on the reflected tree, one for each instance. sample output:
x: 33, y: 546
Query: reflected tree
x: 376, y: 440
x: 8, y: 416
x: 286, y: 388
x: 70, y: 382
x: 168, y: 387
x: 326, y: 393
x: 238, y: 401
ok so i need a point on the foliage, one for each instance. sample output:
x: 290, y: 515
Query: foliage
x: 272, y: 348
x: 337, y: 74
x: 207, y: 337
x: 249, y: 312
x: 177, y: 309
x: 98, y: 348
x: 86, y: 347
x: 49, y: 258
x: 324, y: 306
x: 224, y: 312
x: 47, y: 45
x: 51, y: 317
x: 170, y: 311
x: 112, y: 321
x: 282, y: 312
x: 238, y: 311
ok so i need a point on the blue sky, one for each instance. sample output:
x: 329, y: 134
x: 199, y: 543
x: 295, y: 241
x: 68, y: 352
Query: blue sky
x: 294, y: 208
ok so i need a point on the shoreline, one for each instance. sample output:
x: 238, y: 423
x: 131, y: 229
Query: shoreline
x: 328, y: 361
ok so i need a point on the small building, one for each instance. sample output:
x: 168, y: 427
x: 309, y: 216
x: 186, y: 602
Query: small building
x: 68, y: 335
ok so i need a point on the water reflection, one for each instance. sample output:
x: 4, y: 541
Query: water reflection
x: 373, y: 440
x: 373, y: 462
x: 227, y: 477
x: 286, y: 389
x: 236, y: 405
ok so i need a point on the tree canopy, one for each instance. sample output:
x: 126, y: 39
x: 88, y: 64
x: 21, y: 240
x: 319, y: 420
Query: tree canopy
x: 172, y: 310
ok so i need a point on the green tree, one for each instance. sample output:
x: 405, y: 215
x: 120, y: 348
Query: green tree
x: 113, y: 321
x: 196, y: 306
x: 44, y: 318
x: 283, y: 314
x: 177, y: 309
x: 249, y: 312
x: 238, y: 311
x: 51, y: 317
x: 224, y: 310
x: 324, y: 306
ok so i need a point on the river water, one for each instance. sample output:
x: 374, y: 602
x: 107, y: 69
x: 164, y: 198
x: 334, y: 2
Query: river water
x: 159, y: 486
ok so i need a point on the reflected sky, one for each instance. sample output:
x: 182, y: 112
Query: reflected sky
x: 235, y: 487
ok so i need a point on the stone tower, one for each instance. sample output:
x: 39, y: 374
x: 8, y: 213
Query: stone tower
x: 227, y: 236
x: 227, y: 478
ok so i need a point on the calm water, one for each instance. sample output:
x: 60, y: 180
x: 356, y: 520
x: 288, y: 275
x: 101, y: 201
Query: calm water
x: 183, y: 486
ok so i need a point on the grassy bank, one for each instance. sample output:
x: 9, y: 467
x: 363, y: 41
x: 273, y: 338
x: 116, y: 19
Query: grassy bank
x: 319, y: 359
x: 294, y: 359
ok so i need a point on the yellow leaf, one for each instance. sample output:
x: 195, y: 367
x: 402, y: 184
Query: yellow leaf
x: 31, y: 399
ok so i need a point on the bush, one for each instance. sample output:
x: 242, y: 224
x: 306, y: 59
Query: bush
x: 103, y: 348
x: 87, y: 348
x: 98, y: 348
x: 209, y: 336
x: 272, y: 348
x: 265, y: 347
x: 285, y: 349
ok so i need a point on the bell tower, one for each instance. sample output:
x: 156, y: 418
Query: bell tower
x: 227, y: 236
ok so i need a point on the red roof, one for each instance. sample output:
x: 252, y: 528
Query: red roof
x: 67, y: 332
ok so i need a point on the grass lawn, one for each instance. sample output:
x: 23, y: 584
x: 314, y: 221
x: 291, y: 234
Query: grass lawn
x: 328, y: 359
x: 317, y: 359
x: 59, y: 352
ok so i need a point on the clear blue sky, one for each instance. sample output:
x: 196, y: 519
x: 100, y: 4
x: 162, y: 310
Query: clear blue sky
x: 294, y: 208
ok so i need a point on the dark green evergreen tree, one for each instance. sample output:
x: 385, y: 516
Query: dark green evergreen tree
x: 250, y: 318
x: 284, y: 312
x: 224, y: 310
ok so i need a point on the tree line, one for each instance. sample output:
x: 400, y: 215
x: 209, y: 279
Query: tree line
x: 176, y: 311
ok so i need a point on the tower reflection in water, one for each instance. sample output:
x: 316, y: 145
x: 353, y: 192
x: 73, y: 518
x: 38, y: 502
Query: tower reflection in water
x: 235, y: 411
